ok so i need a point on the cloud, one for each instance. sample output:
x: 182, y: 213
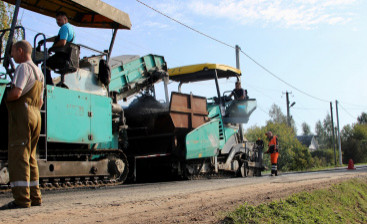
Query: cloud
x: 175, y: 9
x: 305, y: 14
x: 156, y: 25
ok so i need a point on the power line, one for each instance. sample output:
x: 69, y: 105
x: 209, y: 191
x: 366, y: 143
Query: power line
x: 188, y: 27
x: 347, y: 111
x: 355, y: 105
x: 230, y: 46
x: 262, y: 110
x: 285, y: 82
x: 308, y: 108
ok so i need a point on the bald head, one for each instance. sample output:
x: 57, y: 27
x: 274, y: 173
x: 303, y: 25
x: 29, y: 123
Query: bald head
x: 25, y: 45
x: 21, y: 51
x: 269, y: 134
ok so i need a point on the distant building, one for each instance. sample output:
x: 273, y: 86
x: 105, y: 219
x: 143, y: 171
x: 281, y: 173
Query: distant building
x: 309, y: 141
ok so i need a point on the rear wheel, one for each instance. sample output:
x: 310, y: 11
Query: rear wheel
x: 244, y: 170
x: 118, y: 168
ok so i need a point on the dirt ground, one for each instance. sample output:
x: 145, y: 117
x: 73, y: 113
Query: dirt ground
x: 202, y: 206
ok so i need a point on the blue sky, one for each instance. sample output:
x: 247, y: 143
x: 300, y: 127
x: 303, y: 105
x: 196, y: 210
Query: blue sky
x: 318, y: 46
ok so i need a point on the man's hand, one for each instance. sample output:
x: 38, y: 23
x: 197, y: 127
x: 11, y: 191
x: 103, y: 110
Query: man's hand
x: 41, y: 42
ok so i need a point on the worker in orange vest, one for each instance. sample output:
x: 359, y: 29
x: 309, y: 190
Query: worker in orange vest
x: 273, y: 150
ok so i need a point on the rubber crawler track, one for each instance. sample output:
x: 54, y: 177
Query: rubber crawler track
x: 66, y: 183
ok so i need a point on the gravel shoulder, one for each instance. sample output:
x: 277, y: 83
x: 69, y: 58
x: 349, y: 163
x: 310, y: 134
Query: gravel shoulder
x: 202, y: 201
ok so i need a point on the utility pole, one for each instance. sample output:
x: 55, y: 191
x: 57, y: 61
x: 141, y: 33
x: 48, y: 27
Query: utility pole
x: 238, y: 56
x: 238, y: 67
x: 288, y: 107
x: 288, y: 118
x: 339, y: 140
x: 332, y: 126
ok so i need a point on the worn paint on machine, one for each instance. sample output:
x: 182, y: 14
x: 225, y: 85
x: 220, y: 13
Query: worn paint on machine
x: 77, y: 117
x: 203, y: 141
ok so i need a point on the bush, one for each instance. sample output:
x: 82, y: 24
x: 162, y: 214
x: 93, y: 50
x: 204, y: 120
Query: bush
x: 355, y: 150
x: 324, y: 157
x: 354, y: 145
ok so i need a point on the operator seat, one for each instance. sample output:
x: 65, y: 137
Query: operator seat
x: 67, y: 59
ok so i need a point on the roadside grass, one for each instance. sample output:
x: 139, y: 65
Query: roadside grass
x: 342, y: 203
x: 325, y: 167
x: 319, y: 168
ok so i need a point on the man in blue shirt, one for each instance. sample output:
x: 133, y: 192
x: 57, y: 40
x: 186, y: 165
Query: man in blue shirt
x: 66, y: 35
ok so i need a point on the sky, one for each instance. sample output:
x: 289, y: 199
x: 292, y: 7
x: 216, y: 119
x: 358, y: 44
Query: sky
x: 313, y: 49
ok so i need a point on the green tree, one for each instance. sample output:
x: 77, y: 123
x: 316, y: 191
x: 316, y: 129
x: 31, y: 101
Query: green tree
x: 346, y: 132
x: 354, y: 144
x: 306, y: 130
x: 324, y: 132
x: 362, y: 119
x: 277, y: 116
x: 6, y: 13
x: 5, y: 19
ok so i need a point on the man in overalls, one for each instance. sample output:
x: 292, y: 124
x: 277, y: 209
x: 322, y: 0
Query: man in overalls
x: 24, y: 101
x: 66, y: 35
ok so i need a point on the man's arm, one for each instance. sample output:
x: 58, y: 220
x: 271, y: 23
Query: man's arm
x: 64, y: 35
x: 14, y: 94
x: 59, y: 43
x: 51, y: 39
x: 232, y: 94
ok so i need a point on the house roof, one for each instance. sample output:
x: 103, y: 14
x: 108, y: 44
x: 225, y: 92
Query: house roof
x: 305, y: 139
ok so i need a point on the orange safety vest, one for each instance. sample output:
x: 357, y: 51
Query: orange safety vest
x: 273, y: 143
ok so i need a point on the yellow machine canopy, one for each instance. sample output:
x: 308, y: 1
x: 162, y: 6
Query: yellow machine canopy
x: 202, y: 72
x: 82, y: 13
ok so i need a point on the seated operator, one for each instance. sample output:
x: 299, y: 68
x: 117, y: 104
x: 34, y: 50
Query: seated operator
x: 66, y: 35
x: 239, y: 93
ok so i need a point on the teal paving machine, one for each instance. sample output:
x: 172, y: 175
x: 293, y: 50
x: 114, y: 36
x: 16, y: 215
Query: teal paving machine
x: 83, y: 127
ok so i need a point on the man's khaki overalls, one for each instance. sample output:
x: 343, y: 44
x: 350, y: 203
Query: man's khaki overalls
x: 24, y: 131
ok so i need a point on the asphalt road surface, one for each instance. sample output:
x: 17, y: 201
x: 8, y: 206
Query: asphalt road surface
x: 194, y: 201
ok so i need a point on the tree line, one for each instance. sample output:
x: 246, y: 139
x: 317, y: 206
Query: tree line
x: 6, y: 13
x: 296, y: 156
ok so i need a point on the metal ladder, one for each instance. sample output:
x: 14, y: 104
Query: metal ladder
x: 44, y: 125
x: 43, y: 135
